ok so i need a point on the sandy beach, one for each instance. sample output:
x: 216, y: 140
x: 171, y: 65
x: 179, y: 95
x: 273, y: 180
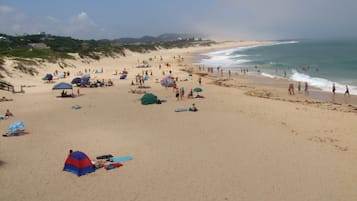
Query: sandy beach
x: 248, y: 141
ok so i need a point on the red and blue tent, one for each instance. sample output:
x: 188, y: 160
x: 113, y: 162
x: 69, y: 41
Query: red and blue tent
x: 79, y: 164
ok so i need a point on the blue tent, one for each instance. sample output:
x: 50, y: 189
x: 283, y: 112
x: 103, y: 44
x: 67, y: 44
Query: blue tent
x: 16, y: 126
x: 61, y: 86
x: 78, y: 163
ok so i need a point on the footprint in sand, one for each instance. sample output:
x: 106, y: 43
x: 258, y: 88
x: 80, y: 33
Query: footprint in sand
x: 329, y: 141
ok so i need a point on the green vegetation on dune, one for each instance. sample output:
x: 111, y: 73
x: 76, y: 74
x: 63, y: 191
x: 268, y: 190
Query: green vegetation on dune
x: 51, y: 48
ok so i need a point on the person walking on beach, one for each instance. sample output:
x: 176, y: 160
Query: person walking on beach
x: 200, y: 80
x: 347, y: 92
x: 306, y: 88
x: 299, y: 87
x: 291, y: 89
x: 229, y: 74
x: 333, y: 88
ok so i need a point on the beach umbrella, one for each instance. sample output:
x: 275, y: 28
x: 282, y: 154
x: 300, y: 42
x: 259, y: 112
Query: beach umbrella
x: 85, y: 79
x: 16, y: 126
x: 61, y: 86
x: 78, y: 163
x: 197, y: 89
x: 86, y: 75
x: 76, y: 80
x: 149, y: 99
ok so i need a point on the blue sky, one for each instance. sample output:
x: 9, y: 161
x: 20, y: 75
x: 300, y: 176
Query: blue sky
x: 221, y: 19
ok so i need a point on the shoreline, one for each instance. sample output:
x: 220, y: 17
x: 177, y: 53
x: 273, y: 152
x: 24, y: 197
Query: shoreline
x: 259, y: 81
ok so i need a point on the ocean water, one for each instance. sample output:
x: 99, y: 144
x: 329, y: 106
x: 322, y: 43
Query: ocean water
x: 318, y: 62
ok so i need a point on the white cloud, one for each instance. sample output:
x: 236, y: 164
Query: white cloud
x: 82, y: 16
x: 5, y: 9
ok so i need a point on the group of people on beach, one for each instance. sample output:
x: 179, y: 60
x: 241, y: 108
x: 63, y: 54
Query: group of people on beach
x: 347, y: 91
x: 180, y: 93
x: 291, y: 88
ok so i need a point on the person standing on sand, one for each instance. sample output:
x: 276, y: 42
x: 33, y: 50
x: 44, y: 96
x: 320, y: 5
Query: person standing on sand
x: 333, y: 88
x: 182, y: 92
x: 347, y: 92
x: 299, y: 87
x: 199, y: 80
x: 291, y: 89
x: 306, y: 88
x: 177, y: 94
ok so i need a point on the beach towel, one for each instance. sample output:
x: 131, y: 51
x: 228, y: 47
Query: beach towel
x: 121, y: 159
x: 181, y: 109
x: 112, y: 166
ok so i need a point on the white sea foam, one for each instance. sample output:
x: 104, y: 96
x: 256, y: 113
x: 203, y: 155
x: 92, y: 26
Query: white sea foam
x: 227, y: 58
x: 268, y: 75
x: 321, y: 83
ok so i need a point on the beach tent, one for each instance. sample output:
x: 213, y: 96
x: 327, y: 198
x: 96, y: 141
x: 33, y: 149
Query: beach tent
x: 149, y: 99
x: 167, y: 82
x: 16, y: 126
x: 62, y: 86
x: 15, y: 129
x: 78, y: 163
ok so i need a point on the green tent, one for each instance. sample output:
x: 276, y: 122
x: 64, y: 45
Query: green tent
x: 149, y: 99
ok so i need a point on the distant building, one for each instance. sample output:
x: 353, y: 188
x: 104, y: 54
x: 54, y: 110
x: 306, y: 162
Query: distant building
x: 43, y: 33
x: 38, y: 45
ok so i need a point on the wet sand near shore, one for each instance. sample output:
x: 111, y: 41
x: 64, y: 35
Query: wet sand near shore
x: 275, y: 88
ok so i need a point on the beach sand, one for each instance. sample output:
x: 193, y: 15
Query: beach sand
x: 248, y: 141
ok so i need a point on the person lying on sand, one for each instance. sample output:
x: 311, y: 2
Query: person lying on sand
x: 6, y: 99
